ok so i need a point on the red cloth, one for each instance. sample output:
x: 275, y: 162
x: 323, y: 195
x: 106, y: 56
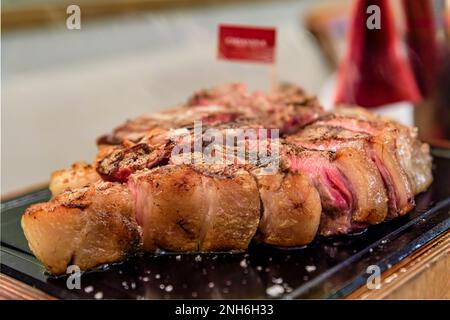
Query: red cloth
x: 374, y: 71
x: 422, y: 43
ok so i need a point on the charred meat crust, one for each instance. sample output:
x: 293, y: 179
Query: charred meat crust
x: 86, y: 227
x: 291, y: 209
x: 181, y: 208
x: 120, y: 163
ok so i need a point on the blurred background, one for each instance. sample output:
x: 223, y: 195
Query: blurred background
x: 63, y: 88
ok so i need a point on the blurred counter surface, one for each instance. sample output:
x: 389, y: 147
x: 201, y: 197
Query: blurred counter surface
x: 62, y: 88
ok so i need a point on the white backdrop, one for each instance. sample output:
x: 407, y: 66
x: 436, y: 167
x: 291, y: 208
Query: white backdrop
x: 63, y: 88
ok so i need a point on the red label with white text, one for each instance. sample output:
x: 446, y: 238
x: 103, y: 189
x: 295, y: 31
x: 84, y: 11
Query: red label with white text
x: 247, y: 43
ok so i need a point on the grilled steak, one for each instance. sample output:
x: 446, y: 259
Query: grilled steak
x: 162, y: 182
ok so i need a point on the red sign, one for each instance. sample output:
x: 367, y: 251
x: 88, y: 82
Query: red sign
x: 247, y: 43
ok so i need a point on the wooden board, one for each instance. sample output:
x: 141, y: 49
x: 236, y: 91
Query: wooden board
x: 12, y: 289
x: 423, y: 275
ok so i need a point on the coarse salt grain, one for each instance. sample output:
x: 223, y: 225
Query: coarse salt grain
x: 275, y: 290
x: 98, y: 295
x: 169, y: 288
x: 277, y: 280
x: 89, y: 289
x: 310, y: 268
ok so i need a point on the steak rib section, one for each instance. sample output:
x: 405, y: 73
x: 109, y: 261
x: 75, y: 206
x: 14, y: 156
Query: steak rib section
x: 380, y: 149
x: 351, y: 190
x: 183, y: 208
x: 86, y: 227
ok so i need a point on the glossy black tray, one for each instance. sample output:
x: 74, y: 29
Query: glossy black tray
x: 328, y: 268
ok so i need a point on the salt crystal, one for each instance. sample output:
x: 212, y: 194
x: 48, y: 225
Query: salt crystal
x: 89, y: 289
x: 211, y: 285
x: 310, y: 268
x: 275, y: 291
x: 198, y: 258
x: 98, y: 295
x: 161, y: 286
x: 178, y: 257
x: 277, y: 280
x: 259, y: 268
x: 157, y: 276
x: 145, y: 279
x: 169, y: 288
x: 243, y: 263
x: 287, y: 287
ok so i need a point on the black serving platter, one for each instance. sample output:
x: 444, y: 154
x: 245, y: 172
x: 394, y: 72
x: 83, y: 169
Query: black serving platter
x: 328, y: 268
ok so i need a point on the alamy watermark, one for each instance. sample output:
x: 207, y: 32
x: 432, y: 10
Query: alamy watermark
x: 258, y: 147
x: 374, y: 20
x: 74, y: 279
x: 73, y: 21
x: 374, y: 280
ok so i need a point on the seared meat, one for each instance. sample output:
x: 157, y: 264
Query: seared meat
x: 85, y: 227
x: 351, y: 199
x: 80, y: 174
x: 370, y: 199
x: 413, y: 156
x: 291, y: 209
x: 176, y: 188
x: 185, y: 208
x: 136, y: 129
x: 121, y: 162
x: 291, y: 109
x: 381, y: 149
x: 287, y: 108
